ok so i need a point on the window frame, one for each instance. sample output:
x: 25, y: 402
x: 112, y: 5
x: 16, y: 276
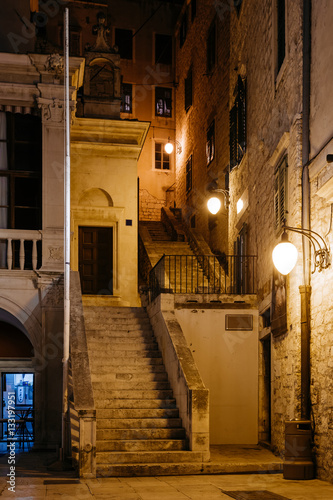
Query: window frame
x: 183, y: 29
x: 164, y: 156
x: 124, y: 94
x: 188, y: 90
x: 160, y: 93
x: 189, y: 174
x: 117, y: 29
x: 166, y: 48
x: 281, y: 193
x: 238, y: 125
x: 210, y: 143
x: 211, y: 48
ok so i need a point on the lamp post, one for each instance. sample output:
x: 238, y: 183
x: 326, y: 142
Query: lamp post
x: 298, y: 455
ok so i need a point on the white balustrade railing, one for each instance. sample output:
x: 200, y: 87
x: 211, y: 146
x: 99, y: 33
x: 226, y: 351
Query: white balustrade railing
x: 7, y: 237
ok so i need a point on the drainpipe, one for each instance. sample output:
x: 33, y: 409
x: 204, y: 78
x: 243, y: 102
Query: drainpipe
x: 305, y: 289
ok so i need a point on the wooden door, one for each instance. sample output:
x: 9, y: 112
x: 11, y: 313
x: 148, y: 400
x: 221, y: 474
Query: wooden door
x: 96, y: 260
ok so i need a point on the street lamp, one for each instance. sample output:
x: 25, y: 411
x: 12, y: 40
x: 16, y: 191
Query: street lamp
x: 214, y: 202
x: 285, y: 253
x: 168, y: 147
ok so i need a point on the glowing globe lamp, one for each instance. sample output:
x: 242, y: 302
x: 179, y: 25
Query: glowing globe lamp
x: 285, y: 256
x: 168, y: 148
x: 214, y: 205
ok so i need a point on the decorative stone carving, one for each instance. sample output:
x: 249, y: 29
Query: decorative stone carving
x: 56, y: 253
x: 102, y: 31
x: 54, y: 64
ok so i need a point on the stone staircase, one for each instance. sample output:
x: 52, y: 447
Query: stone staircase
x: 139, y: 431
x: 184, y: 270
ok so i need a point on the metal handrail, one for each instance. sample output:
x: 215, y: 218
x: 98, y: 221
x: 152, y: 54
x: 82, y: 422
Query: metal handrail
x: 203, y: 274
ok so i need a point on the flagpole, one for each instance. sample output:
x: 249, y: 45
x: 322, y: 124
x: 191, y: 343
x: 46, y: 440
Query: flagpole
x: 65, y: 360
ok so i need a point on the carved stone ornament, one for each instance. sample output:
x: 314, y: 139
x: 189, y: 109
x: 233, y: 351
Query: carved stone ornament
x: 56, y: 253
x: 102, y: 31
x: 55, y: 64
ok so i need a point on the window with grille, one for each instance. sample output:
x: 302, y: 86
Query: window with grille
x: 188, y: 90
x: 281, y: 32
x: 211, y: 48
x: 189, y: 175
x: 163, y: 49
x: 124, y: 42
x: 126, y: 98
x: 210, y: 143
x: 162, y: 159
x: 280, y: 194
x: 237, y: 119
x: 163, y: 102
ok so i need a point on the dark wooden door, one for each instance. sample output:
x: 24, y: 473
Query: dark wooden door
x: 96, y: 260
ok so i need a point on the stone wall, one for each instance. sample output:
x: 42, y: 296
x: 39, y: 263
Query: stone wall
x: 149, y: 206
x: 209, y: 101
x: 273, y: 129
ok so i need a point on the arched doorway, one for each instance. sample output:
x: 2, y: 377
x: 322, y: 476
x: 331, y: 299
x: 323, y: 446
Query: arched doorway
x: 17, y: 383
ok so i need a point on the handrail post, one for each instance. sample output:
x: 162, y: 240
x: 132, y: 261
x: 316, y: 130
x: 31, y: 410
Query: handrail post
x: 9, y: 254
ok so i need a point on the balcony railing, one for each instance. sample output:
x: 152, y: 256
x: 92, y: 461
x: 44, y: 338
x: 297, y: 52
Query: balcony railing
x: 203, y: 274
x: 20, y: 249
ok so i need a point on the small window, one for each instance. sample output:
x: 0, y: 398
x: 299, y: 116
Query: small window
x: 163, y: 49
x: 188, y: 90
x: 210, y: 143
x: 162, y: 159
x: 280, y: 194
x: 124, y: 42
x: 189, y: 175
x: 163, y: 102
x: 193, y: 9
x: 183, y: 30
x: 281, y: 33
x: 126, y: 98
x: 237, y: 119
x: 211, y: 48
x: 75, y: 42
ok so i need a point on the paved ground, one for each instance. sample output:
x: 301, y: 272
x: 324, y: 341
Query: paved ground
x: 35, y: 481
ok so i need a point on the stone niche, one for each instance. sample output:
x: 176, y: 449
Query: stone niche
x: 101, y: 90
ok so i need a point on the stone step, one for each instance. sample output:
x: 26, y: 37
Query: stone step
x: 116, y: 326
x: 112, y: 320
x: 105, y: 335
x: 131, y: 360
x: 113, y: 346
x: 115, y: 311
x: 140, y: 413
x: 122, y: 353
x: 140, y: 445
x: 128, y: 394
x: 131, y: 385
x: 134, y: 434
x: 138, y: 423
x: 127, y: 377
x: 136, y: 404
x: 135, y: 370
x: 104, y: 458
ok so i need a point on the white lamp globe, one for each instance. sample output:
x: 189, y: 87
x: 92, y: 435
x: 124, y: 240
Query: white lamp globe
x: 168, y: 148
x: 285, y: 257
x: 214, y: 205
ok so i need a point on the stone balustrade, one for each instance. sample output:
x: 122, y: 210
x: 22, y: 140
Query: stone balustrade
x: 27, y: 258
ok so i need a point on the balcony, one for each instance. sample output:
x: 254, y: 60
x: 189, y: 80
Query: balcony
x: 20, y: 249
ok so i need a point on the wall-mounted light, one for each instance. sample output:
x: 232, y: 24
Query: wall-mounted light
x: 214, y: 202
x: 240, y: 205
x: 168, y: 147
x: 285, y: 253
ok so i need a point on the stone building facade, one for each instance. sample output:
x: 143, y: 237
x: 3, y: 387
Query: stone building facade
x: 262, y: 90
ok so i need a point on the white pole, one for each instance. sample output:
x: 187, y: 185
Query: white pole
x: 66, y: 240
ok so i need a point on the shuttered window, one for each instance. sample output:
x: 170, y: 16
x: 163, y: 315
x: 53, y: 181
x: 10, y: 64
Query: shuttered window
x: 281, y: 33
x: 188, y: 90
x: 280, y: 194
x: 237, y: 124
x: 189, y: 175
x: 210, y: 143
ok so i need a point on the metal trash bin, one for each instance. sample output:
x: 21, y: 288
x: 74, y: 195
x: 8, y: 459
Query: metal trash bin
x: 298, y: 463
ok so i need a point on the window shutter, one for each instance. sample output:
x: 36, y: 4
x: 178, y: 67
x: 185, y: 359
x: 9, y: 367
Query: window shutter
x: 241, y: 119
x: 188, y: 90
x: 233, y: 136
x: 280, y: 194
